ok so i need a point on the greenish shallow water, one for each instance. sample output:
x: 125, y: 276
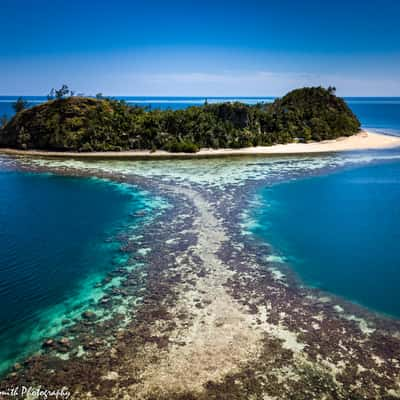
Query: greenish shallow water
x: 53, y: 250
x: 340, y: 232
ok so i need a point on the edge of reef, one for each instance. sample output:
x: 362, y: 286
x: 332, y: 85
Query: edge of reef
x: 216, y: 319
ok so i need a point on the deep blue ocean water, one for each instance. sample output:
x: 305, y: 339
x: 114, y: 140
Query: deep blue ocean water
x: 162, y: 102
x: 53, y: 250
x: 340, y: 232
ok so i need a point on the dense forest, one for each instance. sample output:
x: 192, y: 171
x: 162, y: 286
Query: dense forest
x: 85, y: 124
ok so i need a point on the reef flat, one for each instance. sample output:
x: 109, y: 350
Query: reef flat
x: 218, y: 316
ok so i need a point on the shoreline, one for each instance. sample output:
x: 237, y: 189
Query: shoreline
x: 215, y: 319
x: 364, y: 140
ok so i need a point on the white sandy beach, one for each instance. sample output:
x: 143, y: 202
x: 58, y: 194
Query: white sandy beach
x: 362, y: 141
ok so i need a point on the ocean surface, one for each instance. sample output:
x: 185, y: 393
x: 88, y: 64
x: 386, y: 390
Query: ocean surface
x: 375, y: 113
x: 57, y: 240
x: 340, y: 232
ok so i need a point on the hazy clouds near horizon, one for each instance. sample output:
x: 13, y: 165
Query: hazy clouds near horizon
x: 224, y: 48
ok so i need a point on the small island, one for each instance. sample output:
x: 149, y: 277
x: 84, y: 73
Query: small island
x: 88, y: 125
x: 190, y: 210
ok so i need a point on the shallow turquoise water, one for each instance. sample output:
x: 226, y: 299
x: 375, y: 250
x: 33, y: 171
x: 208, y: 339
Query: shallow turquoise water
x: 53, y: 249
x: 339, y: 232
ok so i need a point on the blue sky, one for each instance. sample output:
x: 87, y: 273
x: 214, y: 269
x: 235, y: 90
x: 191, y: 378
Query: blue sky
x: 210, y: 48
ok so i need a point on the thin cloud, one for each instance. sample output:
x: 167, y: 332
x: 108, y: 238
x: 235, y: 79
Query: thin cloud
x: 260, y: 83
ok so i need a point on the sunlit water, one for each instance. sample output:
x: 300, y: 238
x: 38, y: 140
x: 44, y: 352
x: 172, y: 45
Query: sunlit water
x: 337, y: 231
x: 53, y: 250
x: 340, y: 232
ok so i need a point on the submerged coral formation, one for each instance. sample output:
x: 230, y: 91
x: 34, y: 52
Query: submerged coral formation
x: 206, y: 315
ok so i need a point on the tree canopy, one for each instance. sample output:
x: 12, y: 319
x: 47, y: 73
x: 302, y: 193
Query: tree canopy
x: 20, y: 105
x: 101, y: 124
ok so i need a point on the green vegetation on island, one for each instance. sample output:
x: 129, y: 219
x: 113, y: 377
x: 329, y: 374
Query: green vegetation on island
x: 85, y: 124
